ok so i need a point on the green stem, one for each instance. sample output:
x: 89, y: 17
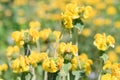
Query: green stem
x: 57, y: 43
x: 27, y: 49
x: 68, y: 76
x: 38, y: 46
x: 99, y: 75
x: 45, y: 75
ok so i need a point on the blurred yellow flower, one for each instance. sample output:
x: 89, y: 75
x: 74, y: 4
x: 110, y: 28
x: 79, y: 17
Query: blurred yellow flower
x: 111, y: 10
x: 86, y: 32
x: 44, y: 34
x: 18, y: 37
x: 117, y: 24
x: 117, y: 49
x: 57, y: 34
x: 98, y: 21
x: 11, y: 50
x: 88, y: 12
x: 35, y: 25
x: 106, y: 77
x: 112, y: 56
x: 72, y: 10
x: 3, y: 67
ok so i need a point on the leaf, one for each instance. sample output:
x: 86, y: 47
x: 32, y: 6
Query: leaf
x: 65, y: 69
x: 77, y: 74
x: 104, y: 57
x: 79, y: 26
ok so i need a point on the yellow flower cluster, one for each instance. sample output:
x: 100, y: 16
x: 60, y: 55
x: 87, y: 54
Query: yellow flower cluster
x: 20, y: 37
x: 82, y: 62
x: 103, y: 42
x: 72, y: 11
x: 115, y: 72
x: 3, y: 67
x: 52, y: 65
x: 68, y: 48
x: 36, y: 57
x: 20, y: 64
x: 11, y: 50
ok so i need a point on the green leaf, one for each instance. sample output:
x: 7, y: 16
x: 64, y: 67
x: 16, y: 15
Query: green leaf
x: 77, y: 74
x: 104, y: 57
x: 79, y: 26
x: 65, y: 69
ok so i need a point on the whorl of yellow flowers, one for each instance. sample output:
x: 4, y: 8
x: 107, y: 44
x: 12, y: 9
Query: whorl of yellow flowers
x: 69, y: 48
x: 83, y: 61
x: 3, y: 67
x: 115, y: 72
x: 20, y: 37
x: 72, y: 11
x: 36, y: 57
x: 52, y: 65
x: 20, y: 64
x: 103, y: 42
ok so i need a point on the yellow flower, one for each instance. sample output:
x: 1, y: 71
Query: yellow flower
x: 67, y: 21
x: 10, y: 50
x: 52, y: 65
x: 116, y: 70
x: 110, y: 41
x: 112, y: 56
x: 88, y: 12
x: 74, y: 63
x: 72, y: 10
x: 44, y: 34
x: 98, y: 22
x: 3, y: 67
x: 111, y: 10
x: 101, y: 5
x: 117, y: 49
x: 34, y: 25
x: 83, y: 62
x: 57, y: 34
x: 102, y: 42
x: 107, y: 65
x: 86, y: 32
x: 106, y: 77
x: 18, y: 37
x: 21, y: 64
x: 69, y: 48
x: 35, y: 57
x: 61, y: 47
x: 117, y: 24
x: 34, y: 35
